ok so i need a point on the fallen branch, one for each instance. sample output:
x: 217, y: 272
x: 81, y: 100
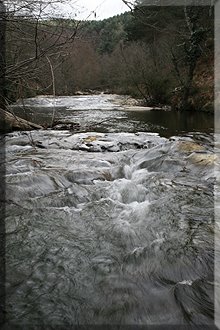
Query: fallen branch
x: 9, y: 122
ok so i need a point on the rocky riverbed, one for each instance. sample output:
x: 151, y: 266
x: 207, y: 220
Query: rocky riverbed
x: 108, y: 227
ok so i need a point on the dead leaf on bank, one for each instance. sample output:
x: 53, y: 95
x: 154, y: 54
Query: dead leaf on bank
x: 90, y: 139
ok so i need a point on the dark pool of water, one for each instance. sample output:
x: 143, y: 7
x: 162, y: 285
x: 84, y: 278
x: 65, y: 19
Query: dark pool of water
x: 169, y: 123
x: 105, y: 113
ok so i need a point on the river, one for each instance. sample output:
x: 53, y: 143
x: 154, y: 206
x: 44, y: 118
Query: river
x: 113, y: 223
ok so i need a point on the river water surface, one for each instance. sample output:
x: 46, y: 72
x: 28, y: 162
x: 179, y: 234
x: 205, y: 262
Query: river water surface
x: 113, y: 224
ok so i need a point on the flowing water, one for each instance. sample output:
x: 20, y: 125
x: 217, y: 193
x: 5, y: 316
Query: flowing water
x: 110, y: 226
x: 109, y: 113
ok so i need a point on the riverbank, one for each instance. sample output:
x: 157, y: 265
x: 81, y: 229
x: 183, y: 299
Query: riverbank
x: 201, y: 100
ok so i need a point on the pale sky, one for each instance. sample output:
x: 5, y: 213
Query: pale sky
x: 84, y: 9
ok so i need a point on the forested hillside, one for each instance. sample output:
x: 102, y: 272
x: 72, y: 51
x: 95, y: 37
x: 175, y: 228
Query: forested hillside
x: 161, y: 54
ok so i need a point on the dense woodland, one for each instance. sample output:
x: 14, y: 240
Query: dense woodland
x: 163, y: 55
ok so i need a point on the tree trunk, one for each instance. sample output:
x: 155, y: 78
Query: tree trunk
x: 185, y: 103
x: 10, y: 122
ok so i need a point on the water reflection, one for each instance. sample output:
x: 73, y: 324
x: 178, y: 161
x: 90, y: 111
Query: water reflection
x: 104, y: 113
x: 169, y: 123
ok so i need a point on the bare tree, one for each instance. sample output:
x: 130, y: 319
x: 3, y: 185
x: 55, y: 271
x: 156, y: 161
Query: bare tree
x: 34, y: 42
x: 2, y: 54
x: 192, y: 49
x: 33, y: 35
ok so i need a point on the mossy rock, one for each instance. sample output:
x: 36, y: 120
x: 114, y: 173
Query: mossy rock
x: 203, y: 159
x: 189, y: 147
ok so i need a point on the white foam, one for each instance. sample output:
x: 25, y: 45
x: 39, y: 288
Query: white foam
x: 186, y: 282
